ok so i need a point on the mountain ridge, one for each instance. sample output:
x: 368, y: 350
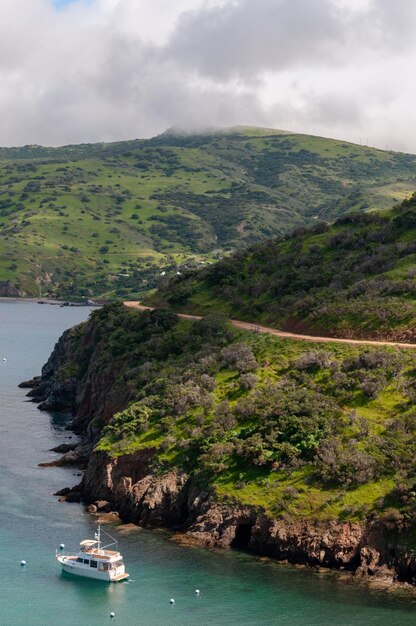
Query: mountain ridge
x: 107, y: 219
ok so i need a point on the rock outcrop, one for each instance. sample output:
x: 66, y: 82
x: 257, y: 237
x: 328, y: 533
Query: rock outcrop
x: 8, y: 290
x: 128, y: 485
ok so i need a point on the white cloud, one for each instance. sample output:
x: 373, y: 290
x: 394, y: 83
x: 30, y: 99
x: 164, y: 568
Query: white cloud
x: 117, y: 69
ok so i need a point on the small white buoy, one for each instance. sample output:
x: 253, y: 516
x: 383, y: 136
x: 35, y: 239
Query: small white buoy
x: 23, y: 563
x: 112, y: 615
x: 4, y: 360
x: 197, y: 592
x: 171, y: 601
x: 62, y: 546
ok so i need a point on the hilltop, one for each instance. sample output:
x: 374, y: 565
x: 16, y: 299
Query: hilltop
x: 355, y: 278
x: 106, y: 219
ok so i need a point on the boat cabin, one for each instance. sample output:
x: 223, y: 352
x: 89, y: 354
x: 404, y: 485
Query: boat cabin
x: 93, y: 556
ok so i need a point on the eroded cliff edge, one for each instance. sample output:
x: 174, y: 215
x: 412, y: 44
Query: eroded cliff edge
x: 90, y: 375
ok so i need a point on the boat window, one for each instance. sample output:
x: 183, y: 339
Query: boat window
x: 86, y: 561
x: 79, y: 560
x: 93, y: 564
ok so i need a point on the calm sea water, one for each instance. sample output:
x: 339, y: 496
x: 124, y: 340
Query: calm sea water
x: 236, y: 589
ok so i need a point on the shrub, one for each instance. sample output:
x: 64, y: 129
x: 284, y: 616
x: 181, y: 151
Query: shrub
x: 344, y: 465
x: 215, y: 457
x: 248, y: 381
x: 240, y: 357
x: 371, y: 386
x: 313, y: 359
x: 391, y: 519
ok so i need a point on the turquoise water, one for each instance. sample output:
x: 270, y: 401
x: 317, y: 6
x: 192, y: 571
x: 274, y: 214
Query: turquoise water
x: 235, y: 588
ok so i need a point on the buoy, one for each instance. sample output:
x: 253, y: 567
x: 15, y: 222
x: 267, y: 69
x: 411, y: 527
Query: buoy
x: 197, y: 592
x: 23, y: 563
x: 112, y: 615
x: 62, y: 546
x: 171, y: 601
x: 4, y: 360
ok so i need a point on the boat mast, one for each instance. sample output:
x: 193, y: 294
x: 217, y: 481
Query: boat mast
x: 98, y: 536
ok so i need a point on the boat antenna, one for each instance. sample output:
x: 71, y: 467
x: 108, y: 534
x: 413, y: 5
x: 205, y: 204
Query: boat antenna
x: 113, y: 540
x: 98, y: 536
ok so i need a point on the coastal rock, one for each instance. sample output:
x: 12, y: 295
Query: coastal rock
x: 172, y: 500
x: 58, y: 396
x: 126, y: 486
x: 75, y: 494
x: 77, y: 455
x: 63, y: 492
x: 31, y: 384
x: 103, y: 506
x: 64, y: 447
x: 8, y: 290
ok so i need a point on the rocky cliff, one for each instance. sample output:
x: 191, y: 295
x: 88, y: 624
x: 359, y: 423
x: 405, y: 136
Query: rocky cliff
x: 173, y: 500
x: 8, y: 290
x: 78, y: 378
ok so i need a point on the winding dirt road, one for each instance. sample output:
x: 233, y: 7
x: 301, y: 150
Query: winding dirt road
x: 285, y: 335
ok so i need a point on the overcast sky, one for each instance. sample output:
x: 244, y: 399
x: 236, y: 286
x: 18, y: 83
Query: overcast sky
x: 99, y: 70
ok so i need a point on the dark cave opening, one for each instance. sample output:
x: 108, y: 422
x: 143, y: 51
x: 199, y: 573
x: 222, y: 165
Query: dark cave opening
x: 242, y: 536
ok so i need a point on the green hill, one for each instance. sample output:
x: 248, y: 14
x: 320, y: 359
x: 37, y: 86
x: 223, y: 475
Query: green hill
x: 297, y: 432
x: 105, y: 219
x: 356, y: 278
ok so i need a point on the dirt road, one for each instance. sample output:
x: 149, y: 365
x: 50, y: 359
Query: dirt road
x: 285, y: 335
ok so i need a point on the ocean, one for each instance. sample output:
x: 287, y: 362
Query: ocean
x: 235, y: 588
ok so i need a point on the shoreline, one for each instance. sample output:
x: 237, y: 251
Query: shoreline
x: 29, y: 299
x: 51, y: 302
x: 341, y: 576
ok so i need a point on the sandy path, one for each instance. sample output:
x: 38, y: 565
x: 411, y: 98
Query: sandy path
x: 286, y: 335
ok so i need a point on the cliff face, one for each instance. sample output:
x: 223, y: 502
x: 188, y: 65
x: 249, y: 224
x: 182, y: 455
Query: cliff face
x: 78, y: 378
x: 8, y: 290
x: 128, y: 485
x: 75, y: 379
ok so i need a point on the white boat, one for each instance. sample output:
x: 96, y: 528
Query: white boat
x: 95, y: 561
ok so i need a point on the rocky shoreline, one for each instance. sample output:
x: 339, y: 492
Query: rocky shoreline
x: 129, y: 487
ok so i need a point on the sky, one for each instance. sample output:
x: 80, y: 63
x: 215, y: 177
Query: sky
x: 75, y: 71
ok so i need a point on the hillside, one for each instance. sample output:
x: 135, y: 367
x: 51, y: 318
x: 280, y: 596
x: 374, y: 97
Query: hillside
x: 105, y: 219
x: 303, y: 452
x: 355, y: 278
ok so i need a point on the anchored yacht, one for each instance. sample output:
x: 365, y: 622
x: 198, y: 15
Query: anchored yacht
x: 95, y: 561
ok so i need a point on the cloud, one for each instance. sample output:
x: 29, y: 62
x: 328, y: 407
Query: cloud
x: 245, y: 38
x: 239, y: 40
x: 96, y: 70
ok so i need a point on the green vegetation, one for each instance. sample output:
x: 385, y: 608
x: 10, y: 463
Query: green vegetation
x: 323, y: 432
x: 106, y: 219
x: 356, y: 278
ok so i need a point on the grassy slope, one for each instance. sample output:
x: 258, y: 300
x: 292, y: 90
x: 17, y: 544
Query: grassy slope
x: 354, y: 278
x: 75, y: 219
x: 264, y: 443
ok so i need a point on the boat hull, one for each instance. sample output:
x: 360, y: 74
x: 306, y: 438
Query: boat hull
x: 71, y: 567
x: 85, y: 573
